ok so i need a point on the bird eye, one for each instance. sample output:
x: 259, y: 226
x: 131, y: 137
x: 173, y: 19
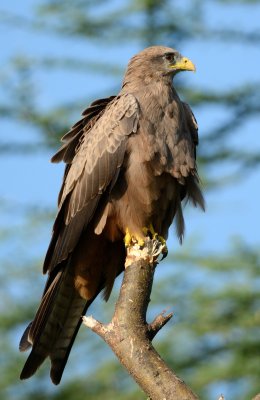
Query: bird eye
x: 169, y: 56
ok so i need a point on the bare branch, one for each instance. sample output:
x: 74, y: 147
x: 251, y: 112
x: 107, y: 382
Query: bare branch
x: 129, y: 335
x: 157, y: 324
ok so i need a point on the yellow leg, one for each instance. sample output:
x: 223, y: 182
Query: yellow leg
x: 156, y: 236
x: 131, y: 239
x: 127, y: 238
x: 153, y: 233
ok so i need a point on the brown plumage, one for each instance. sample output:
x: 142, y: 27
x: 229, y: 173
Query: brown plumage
x: 130, y: 161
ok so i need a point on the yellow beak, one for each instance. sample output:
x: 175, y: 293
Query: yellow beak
x: 184, y: 64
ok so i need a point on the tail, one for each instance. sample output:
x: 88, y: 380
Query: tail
x: 53, y: 331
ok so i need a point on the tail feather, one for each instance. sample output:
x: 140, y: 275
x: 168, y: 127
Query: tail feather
x: 55, y: 326
x: 60, y: 350
x: 46, y: 306
x: 59, y: 360
x: 57, y: 321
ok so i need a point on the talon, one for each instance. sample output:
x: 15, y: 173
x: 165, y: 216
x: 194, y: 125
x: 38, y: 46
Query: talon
x: 165, y: 248
x: 165, y: 251
x: 155, y: 236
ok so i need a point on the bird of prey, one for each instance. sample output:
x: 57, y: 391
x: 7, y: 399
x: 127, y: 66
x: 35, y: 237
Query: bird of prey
x: 130, y: 163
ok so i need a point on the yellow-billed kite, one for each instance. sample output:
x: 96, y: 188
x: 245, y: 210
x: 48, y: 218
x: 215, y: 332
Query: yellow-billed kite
x: 130, y: 162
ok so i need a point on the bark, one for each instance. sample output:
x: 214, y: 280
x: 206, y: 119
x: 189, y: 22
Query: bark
x: 130, y: 336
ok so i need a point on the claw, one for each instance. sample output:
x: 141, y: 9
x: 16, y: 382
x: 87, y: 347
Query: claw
x: 164, y: 252
x: 155, y: 236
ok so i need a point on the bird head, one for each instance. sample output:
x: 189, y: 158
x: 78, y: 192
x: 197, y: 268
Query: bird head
x: 166, y: 61
x: 157, y: 62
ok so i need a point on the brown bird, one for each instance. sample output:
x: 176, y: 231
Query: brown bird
x: 130, y: 162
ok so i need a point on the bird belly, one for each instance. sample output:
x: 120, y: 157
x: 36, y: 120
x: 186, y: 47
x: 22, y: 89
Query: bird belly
x: 144, y: 194
x: 147, y: 200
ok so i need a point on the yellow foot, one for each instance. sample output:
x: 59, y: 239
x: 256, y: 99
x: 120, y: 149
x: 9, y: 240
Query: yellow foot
x: 151, y: 232
x: 139, y: 242
x: 132, y: 240
x: 127, y: 238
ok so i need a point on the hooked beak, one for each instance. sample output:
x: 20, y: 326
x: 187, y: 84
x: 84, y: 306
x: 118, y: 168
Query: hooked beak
x: 183, y: 64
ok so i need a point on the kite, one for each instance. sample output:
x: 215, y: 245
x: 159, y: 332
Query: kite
x: 130, y: 163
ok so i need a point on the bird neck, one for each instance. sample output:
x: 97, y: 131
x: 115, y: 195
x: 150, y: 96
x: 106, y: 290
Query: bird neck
x: 142, y: 88
x: 134, y: 82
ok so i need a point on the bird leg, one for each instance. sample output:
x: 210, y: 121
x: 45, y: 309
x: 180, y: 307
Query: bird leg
x: 131, y: 240
x: 154, y: 235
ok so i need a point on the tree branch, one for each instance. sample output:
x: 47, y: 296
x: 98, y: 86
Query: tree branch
x: 129, y: 335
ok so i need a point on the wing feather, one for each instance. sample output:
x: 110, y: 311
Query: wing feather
x: 92, y: 171
x: 72, y: 138
x: 192, y: 187
x: 192, y: 123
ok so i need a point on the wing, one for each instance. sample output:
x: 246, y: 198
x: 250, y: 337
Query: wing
x: 192, y: 188
x: 192, y: 125
x: 71, y: 139
x: 94, y: 153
